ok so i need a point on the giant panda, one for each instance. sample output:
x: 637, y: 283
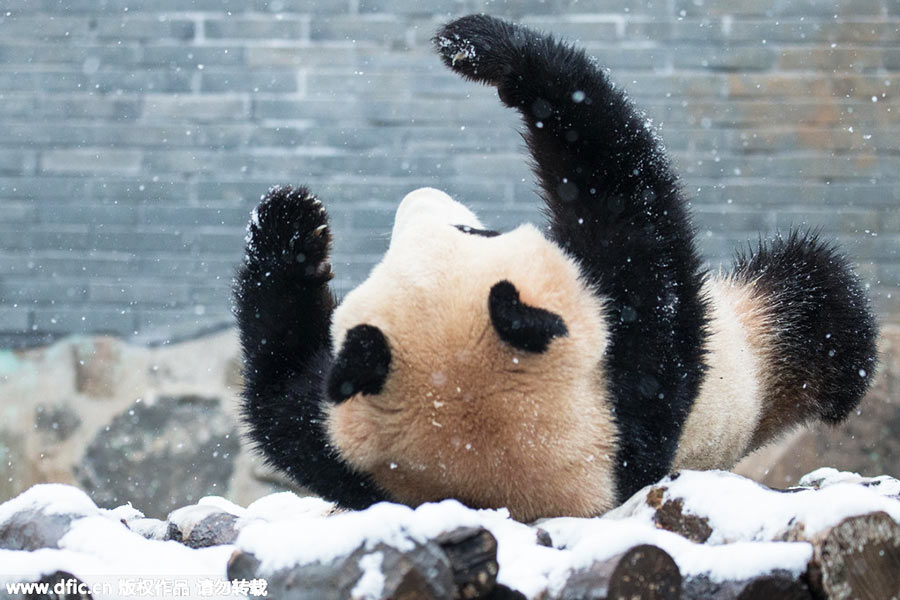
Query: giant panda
x: 551, y: 372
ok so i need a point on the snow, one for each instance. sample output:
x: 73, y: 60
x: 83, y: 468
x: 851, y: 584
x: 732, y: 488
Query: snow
x: 371, y: 584
x: 742, y: 510
x: 283, y: 530
x: 50, y: 499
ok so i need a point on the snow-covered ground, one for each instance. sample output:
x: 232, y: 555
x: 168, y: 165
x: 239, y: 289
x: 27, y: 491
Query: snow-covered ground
x: 120, y: 554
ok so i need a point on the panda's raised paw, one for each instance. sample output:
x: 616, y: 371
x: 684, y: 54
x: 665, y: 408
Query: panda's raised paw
x: 479, y: 47
x: 289, y: 230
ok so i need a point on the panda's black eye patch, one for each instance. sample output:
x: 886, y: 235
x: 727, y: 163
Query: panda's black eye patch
x: 481, y: 232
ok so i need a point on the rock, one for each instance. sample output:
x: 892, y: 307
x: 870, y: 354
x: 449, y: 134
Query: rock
x: 159, y: 455
x: 12, y: 463
x: 201, y: 526
x: 31, y: 529
x: 151, y: 529
x: 423, y: 573
x: 40, y: 517
x: 57, y: 421
x: 96, y: 363
x: 644, y: 571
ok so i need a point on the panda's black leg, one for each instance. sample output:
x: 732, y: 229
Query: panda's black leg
x: 283, y: 306
x: 615, y: 205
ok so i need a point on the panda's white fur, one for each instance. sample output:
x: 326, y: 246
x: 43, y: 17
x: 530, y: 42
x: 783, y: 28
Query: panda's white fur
x: 463, y: 414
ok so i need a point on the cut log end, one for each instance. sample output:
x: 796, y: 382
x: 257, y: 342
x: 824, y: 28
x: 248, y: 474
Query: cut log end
x: 858, y: 558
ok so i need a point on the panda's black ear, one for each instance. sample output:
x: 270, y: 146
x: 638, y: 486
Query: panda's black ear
x: 361, y: 366
x: 524, y: 327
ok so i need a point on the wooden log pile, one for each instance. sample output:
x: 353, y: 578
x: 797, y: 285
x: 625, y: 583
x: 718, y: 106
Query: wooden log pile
x: 710, y: 536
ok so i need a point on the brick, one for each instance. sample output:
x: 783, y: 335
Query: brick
x: 31, y: 291
x: 90, y: 264
x: 16, y: 106
x: 217, y: 241
x: 118, y: 321
x: 195, y: 108
x: 44, y: 27
x: 725, y: 59
x: 810, y: 31
x: 82, y: 213
x: 579, y: 29
x: 195, y: 161
x: 29, y: 188
x: 827, y: 9
x: 16, y: 162
x: 157, y: 327
x: 161, y: 293
x: 302, y: 56
x: 142, y: 80
x: 302, y: 6
x: 270, y: 80
x: 88, y: 106
x: 195, y: 216
x: 420, y: 7
x: 291, y: 28
x: 149, y: 189
x: 353, y: 30
x: 144, y: 28
x: 742, y: 8
x: 14, y: 319
x: 88, y: 58
x: 59, y: 81
x: 830, y: 59
x: 16, y: 212
x: 194, y: 56
x: 90, y: 134
x: 91, y: 160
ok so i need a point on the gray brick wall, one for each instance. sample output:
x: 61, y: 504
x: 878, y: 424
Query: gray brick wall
x: 135, y: 137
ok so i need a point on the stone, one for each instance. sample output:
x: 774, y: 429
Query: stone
x: 201, y: 526
x: 161, y: 455
x: 31, y: 529
x: 58, y: 421
x: 96, y: 363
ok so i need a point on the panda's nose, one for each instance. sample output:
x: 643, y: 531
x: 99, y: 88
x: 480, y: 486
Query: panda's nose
x: 361, y: 366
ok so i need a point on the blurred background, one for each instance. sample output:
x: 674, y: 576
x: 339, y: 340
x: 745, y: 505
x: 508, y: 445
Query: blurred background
x: 135, y: 138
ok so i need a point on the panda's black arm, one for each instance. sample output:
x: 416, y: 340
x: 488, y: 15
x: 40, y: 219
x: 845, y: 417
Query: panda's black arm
x: 614, y: 204
x: 283, y: 307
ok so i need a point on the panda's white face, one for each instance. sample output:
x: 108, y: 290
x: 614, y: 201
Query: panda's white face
x: 466, y: 409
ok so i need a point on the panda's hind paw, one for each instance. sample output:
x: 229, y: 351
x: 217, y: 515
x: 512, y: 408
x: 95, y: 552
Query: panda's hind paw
x: 478, y: 47
x: 289, y: 230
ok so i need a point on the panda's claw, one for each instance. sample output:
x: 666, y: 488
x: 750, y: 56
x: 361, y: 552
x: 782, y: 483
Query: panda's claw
x: 290, y: 232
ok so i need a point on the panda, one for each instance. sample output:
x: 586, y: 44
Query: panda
x: 551, y: 372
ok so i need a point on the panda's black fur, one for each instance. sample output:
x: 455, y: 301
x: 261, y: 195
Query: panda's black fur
x: 616, y: 207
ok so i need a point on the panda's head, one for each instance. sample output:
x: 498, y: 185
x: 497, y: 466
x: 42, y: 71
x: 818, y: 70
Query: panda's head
x: 469, y: 364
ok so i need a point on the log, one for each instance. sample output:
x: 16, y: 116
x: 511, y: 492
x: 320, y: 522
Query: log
x: 858, y: 558
x: 472, y: 552
x: 670, y: 516
x: 644, y: 571
x: 779, y: 584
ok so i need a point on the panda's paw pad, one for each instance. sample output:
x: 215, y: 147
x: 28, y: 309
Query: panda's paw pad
x: 289, y: 229
x: 477, y: 47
